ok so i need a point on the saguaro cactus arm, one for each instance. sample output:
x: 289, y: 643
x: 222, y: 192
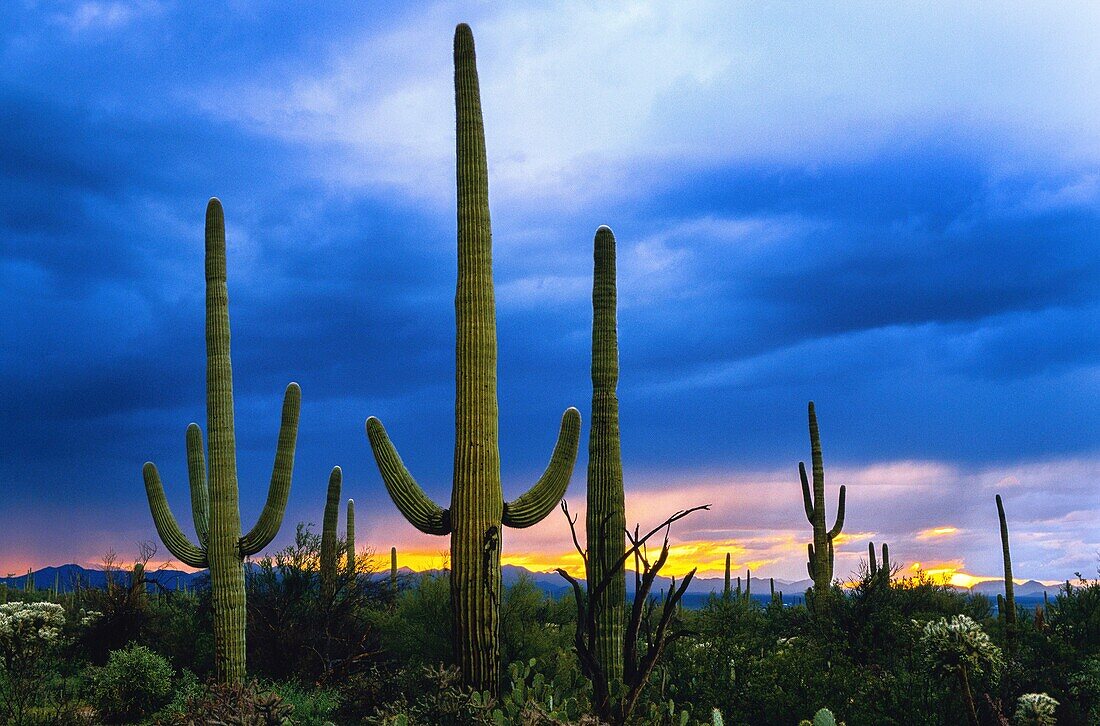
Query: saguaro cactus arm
x: 839, y: 523
x: 170, y: 533
x: 267, y: 526
x: 807, y: 497
x: 541, y: 499
x: 414, y: 504
x: 196, y: 473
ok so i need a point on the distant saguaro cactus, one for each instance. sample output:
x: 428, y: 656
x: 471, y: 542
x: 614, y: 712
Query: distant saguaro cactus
x: 350, y: 559
x: 393, y: 569
x: 726, y: 586
x: 214, y: 503
x: 820, y: 562
x: 605, y: 519
x: 1010, y: 597
x: 872, y: 563
x: 328, y: 534
x: 478, y: 510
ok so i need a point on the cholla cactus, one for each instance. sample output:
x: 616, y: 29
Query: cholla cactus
x: 960, y: 641
x: 1035, y: 709
x: 29, y: 628
x: 959, y: 649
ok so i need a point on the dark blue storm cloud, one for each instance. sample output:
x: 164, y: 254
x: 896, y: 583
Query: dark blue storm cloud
x: 938, y: 299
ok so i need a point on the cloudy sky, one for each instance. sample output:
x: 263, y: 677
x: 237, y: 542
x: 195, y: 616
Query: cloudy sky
x: 894, y: 213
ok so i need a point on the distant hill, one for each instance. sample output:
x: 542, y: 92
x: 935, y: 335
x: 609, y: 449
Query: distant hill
x: 68, y: 577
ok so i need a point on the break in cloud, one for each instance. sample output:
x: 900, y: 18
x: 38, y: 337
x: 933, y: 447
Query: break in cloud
x: 895, y: 214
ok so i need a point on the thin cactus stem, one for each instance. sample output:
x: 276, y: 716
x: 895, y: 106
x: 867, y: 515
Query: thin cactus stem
x: 478, y: 510
x: 350, y: 557
x: 393, y: 569
x: 872, y: 563
x: 213, y: 479
x: 726, y: 588
x: 748, y: 584
x: 1010, y: 597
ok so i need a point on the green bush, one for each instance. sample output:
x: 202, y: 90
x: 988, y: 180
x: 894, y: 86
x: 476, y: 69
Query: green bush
x: 135, y: 683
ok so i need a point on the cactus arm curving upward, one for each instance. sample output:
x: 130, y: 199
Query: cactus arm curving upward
x: 170, y: 533
x: 807, y: 497
x: 328, y: 534
x: 271, y: 518
x: 541, y: 499
x: 839, y: 523
x: 196, y: 473
x: 414, y: 504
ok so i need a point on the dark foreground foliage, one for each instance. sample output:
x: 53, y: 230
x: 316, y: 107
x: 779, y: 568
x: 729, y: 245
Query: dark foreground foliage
x: 377, y: 654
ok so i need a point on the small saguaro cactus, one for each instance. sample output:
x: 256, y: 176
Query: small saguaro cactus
x: 1010, y: 597
x: 748, y: 585
x: 328, y: 534
x: 349, y: 562
x: 872, y: 562
x: 726, y: 587
x: 605, y: 519
x: 478, y: 510
x: 214, y: 495
x: 820, y: 562
x: 393, y: 569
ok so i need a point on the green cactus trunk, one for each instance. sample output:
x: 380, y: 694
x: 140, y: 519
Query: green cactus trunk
x: 478, y: 510
x: 214, y: 494
x: 1010, y: 597
x: 748, y: 585
x: 328, y: 534
x: 820, y: 561
x: 605, y: 520
x: 349, y: 562
x: 30, y: 581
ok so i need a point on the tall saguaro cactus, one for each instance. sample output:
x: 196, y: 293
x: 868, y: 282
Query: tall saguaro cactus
x: 478, y: 510
x: 820, y: 562
x: 1010, y: 597
x: 605, y: 519
x: 214, y: 495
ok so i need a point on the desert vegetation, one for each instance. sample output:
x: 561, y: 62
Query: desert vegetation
x: 319, y: 632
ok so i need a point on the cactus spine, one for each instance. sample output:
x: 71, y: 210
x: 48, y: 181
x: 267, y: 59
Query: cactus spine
x: 350, y: 558
x: 605, y: 520
x: 214, y: 503
x: 328, y: 534
x: 1010, y: 598
x: 478, y: 510
x: 820, y: 561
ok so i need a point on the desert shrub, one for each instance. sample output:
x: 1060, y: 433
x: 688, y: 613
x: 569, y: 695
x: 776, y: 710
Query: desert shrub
x: 134, y: 683
x: 30, y: 638
x: 312, y: 706
x: 241, y: 705
x: 297, y: 634
x: 416, y: 696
